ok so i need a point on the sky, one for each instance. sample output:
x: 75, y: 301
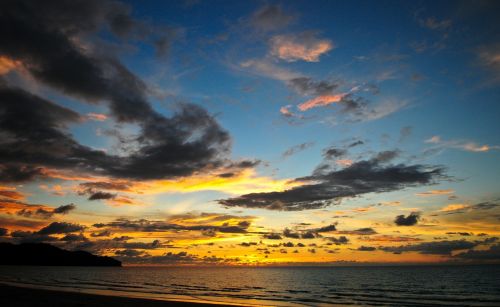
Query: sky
x: 252, y: 132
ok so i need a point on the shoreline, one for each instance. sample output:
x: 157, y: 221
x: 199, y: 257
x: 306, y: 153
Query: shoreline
x: 19, y: 296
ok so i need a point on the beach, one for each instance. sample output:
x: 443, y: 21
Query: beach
x: 30, y: 297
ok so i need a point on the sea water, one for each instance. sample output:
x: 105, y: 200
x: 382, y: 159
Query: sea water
x: 277, y: 286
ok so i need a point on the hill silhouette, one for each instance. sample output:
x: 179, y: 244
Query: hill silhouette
x: 46, y: 254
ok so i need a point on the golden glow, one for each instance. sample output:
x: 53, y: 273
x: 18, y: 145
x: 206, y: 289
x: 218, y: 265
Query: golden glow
x: 7, y: 64
x: 244, y: 182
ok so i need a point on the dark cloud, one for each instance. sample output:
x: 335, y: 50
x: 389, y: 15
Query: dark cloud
x: 171, y: 258
x: 273, y: 236
x: 290, y: 234
x: 101, y: 195
x: 31, y: 237
x: 432, y: 248
x: 35, y: 210
x: 339, y: 241
x: 141, y: 245
x: 161, y: 226
x: 18, y: 173
x: 64, y: 209
x: 4, y: 232
x: 356, y: 143
x: 363, y: 248
x: 410, y: 220
x: 71, y: 237
x: 327, y: 228
x: 129, y: 253
x: 332, y: 152
x: 270, y: 18
x: 361, y: 231
x: 60, y: 227
x: 45, y: 38
x: 330, y: 185
x: 297, y: 148
x: 493, y: 253
x: 102, y: 185
x: 104, y: 233
x: 307, y: 86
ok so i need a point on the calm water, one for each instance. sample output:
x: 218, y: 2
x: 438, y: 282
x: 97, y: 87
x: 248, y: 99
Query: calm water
x: 299, y: 286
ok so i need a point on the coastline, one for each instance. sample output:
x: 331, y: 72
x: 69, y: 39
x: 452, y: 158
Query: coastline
x: 17, y: 296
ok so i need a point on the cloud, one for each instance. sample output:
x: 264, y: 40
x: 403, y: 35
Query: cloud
x: 435, y: 193
x: 304, y: 46
x: 462, y: 208
x: 166, y: 147
x: 97, y: 117
x: 270, y: 18
x: 493, y: 253
x: 64, y: 209
x: 8, y: 192
x: 431, y: 248
x: 489, y: 58
x: 435, y: 24
x: 306, y: 86
x: 60, y: 227
x: 4, y: 232
x: 389, y: 238
x: 101, y: 195
x: 327, y: 186
x: 188, y: 222
x: 7, y: 65
x: 363, y: 248
x: 460, y: 144
x: 320, y: 101
x: 32, y: 210
x: 410, y: 220
x: 334, y: 152
x: 74, y: 238
x: 265, y: 67
x: 297, y: 148
x: 339, y: 241
x: 361, y: 231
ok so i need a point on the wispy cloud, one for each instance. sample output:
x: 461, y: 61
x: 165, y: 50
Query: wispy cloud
x: 460, y: 144
x: 435, y: 192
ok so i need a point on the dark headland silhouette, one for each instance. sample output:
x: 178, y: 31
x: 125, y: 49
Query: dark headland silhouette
x: 46, y: 254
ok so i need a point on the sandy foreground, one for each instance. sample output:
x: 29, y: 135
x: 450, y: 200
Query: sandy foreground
x: 28, y: 297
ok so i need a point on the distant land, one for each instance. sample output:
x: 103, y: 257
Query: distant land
x: 49, y: 255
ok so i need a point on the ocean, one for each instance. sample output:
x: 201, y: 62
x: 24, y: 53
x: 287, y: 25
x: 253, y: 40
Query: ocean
x: 277, y: 286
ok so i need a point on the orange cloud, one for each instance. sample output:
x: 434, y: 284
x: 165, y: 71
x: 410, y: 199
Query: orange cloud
x: 435, y: 192
x: 344, y: 162
x: 303, y: 47
x: 10, y: 192
x: 389, y: 238
x: 13, y: 207
x: 286, y: 110
x: 460, y: 144
x: 454, y: 207
x: 320, y: 101
x: 97, y: 116
x: 122, y: 201
x: 6, y: 65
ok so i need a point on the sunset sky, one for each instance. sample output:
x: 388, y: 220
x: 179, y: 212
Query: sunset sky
x: 252, y: 132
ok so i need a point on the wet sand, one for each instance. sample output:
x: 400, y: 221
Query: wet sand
x: 28, y: 297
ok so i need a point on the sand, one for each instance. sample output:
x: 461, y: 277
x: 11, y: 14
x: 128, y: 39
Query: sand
x: 28, y: 297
